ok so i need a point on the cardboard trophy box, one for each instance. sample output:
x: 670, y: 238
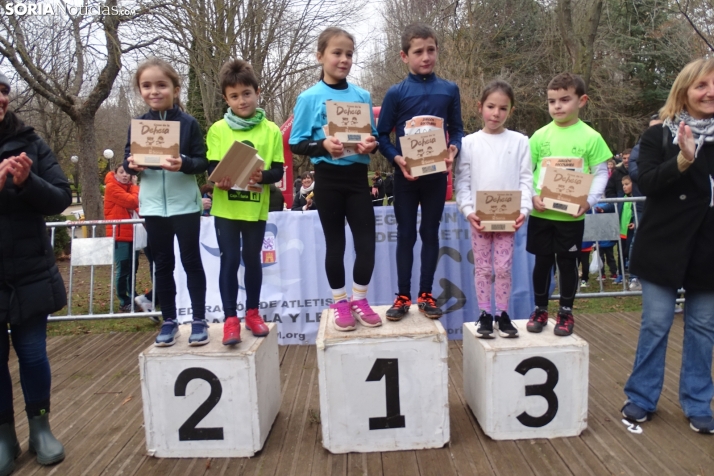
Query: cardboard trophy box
x: 564, y: 190
x: 152, y: 142
x: 498, y: 210
x: 239, y: 163
x: 348, y: 149
x: 349, y: 122
x: 425, y: 153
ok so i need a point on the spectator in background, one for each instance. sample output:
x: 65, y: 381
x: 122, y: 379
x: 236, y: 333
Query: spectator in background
x: 377, y: 189
x: 610, y: 167
x: 305, y: 198
x: 207, y: 199
x: 389, y: 188
x: 614, y: 183
x: 277, y: 201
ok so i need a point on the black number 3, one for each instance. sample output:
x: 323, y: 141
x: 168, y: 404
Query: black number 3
x: 388, y: 368
x: 544, y: 390
x: 188, y: 431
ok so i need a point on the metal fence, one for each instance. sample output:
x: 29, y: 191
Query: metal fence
x: 100, y: 252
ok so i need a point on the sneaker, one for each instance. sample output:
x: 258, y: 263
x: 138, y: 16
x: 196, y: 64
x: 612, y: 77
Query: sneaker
x: 617, y: 280
x: 168, y: 333
x: 702, y: 425
x: 635, y: 285
x: 505, y: 326
x: 343, y: 316
x: 614, y: 277
x: 583, y: 283
x: 427, y: 305
x: 146, y: 306
x: 199, y: 333
x: 485, y: 326
x: 678, y: 309
x: 254, y: 323
x: 126, y: 308
x: 634, y: 413
x: 565, y: 324
x: 231, y: 331
x: 364, y: 314
x: 400, y: 308
x: 537, y: 321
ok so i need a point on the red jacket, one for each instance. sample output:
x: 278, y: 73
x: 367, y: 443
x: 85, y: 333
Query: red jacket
x: 119, y: 201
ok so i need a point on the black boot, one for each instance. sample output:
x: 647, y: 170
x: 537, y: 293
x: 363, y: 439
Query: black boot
x: 43, y: 442
x: 9, y: 448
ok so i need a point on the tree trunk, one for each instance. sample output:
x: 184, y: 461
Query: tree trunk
x: 580, y: 44
x: 92, y: 201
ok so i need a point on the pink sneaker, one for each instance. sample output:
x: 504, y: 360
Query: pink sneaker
x: 343, y: 317
x: 364, y: 314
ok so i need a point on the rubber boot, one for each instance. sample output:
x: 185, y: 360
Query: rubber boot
x: 9, y: 448
x: 43, y: 442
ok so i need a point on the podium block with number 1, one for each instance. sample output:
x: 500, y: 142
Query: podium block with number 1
x: 383, y: 388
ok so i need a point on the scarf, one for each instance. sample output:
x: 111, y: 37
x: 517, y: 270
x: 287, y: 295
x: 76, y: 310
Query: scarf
x: 305, y: 191
x: 239, y: 124
x: 702, y: 129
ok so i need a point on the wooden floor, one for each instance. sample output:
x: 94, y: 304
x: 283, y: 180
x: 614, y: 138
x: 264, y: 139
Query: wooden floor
x: 97, y: 414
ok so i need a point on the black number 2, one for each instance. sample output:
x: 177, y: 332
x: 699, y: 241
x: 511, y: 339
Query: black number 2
x: 544, y: 390
x: 388, y: 368
x: 188, y: 431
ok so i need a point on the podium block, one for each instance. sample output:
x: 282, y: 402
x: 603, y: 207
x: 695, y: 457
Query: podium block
x: 534, y: 386
x: 210, y: 401
x: 383, y: 388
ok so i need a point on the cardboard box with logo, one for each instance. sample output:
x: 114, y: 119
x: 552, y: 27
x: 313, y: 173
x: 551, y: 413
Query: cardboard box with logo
x: 498, y: 210
x: 153, y: 142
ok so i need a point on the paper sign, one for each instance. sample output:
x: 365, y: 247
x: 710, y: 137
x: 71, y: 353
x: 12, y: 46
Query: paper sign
x: 425, y: 153
x: 349, y: 122
x: 347, y: 150
x: 419, y: 124
x: 570, y: 163
x: 498, y: 210
x: 152, y: 142
x: 239, y: 163
x: 564, y: 190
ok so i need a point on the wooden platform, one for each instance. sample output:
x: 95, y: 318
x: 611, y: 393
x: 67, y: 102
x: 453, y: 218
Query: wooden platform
x: 96, y: 413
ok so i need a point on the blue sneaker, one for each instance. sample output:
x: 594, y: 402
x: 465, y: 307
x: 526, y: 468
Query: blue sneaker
x: 618, y: 280
x: 168, y: 333
x: 634, y: 413
x: 199, y: 333
x: 702, y: 425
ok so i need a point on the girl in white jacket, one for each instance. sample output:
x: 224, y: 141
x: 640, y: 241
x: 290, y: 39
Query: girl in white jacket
x: 494, y: 159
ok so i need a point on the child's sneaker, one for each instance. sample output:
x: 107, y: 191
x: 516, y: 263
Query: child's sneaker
x: 343, y: 316
x: 364, y: 314
x: 255, y: 323
x: 146, y: 306
x: 635, y: 285
x: 702, y: 425
x: 400, y: 308
x: 634, y: 413
x: 583, y: 283
x: 537, y: 321
x: 199, y: 333
x: 485, y: 326
x: 427, y: 305
x: 168, y: 333
x: 505, y: 326
x: 231, y: 331
x: 565, y: 324
x: 618, y: 279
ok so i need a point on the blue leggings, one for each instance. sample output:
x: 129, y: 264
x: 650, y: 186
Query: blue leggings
x: 30, y: 344
x: 233, y: 235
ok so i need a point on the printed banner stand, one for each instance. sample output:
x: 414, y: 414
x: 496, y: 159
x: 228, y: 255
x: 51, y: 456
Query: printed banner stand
x: 210, y: 401
x: 534, y: 386
x: 383, y: 388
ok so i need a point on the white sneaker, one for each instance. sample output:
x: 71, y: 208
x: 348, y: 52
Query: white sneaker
x: 146, y: 306
x: 583, y: 284
x: 678, y: 309
x: 635, y: 285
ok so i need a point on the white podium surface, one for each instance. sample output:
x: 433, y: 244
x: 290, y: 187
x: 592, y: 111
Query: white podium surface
x: 383, y: 388
x: 213, y: 400
x: 533, y: 386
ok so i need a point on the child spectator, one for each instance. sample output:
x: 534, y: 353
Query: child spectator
x: 554, y: 236
x: 421, y: 93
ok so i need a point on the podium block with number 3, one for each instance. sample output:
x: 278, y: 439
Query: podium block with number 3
x: 533, y: 386
x: 210, y: 401
x: 383, y: 388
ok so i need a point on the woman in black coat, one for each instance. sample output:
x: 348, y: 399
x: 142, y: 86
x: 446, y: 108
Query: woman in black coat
x: 31, y: 185
x: 305, y: 197
x: 675, y: 248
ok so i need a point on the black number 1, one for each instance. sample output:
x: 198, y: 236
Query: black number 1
x: 388, y: 368
x: 544, y: 390
x: 188, y: 431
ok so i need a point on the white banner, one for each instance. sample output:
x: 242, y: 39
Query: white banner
x: 295, y: 289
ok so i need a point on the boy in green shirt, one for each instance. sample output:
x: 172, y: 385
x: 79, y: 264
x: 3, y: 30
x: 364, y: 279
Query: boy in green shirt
x: 556, y: 237
x: 241, y: 215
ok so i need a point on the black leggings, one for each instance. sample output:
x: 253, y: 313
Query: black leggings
x: 343, y: 192
x: 161, y: 232
x: 567, y: 271
x: 233, y: 235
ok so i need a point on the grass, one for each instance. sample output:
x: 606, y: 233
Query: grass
x: 81, y: 287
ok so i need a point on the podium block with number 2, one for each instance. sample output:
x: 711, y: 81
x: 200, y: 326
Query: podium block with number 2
x: 534, y: 386
x: 383, y: 388
x: 210, y: 401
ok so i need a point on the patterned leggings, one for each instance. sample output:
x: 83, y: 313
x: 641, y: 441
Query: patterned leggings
x: 496, y: 247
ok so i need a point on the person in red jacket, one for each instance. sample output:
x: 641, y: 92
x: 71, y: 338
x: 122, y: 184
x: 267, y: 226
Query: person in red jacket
x: 121, y: 197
